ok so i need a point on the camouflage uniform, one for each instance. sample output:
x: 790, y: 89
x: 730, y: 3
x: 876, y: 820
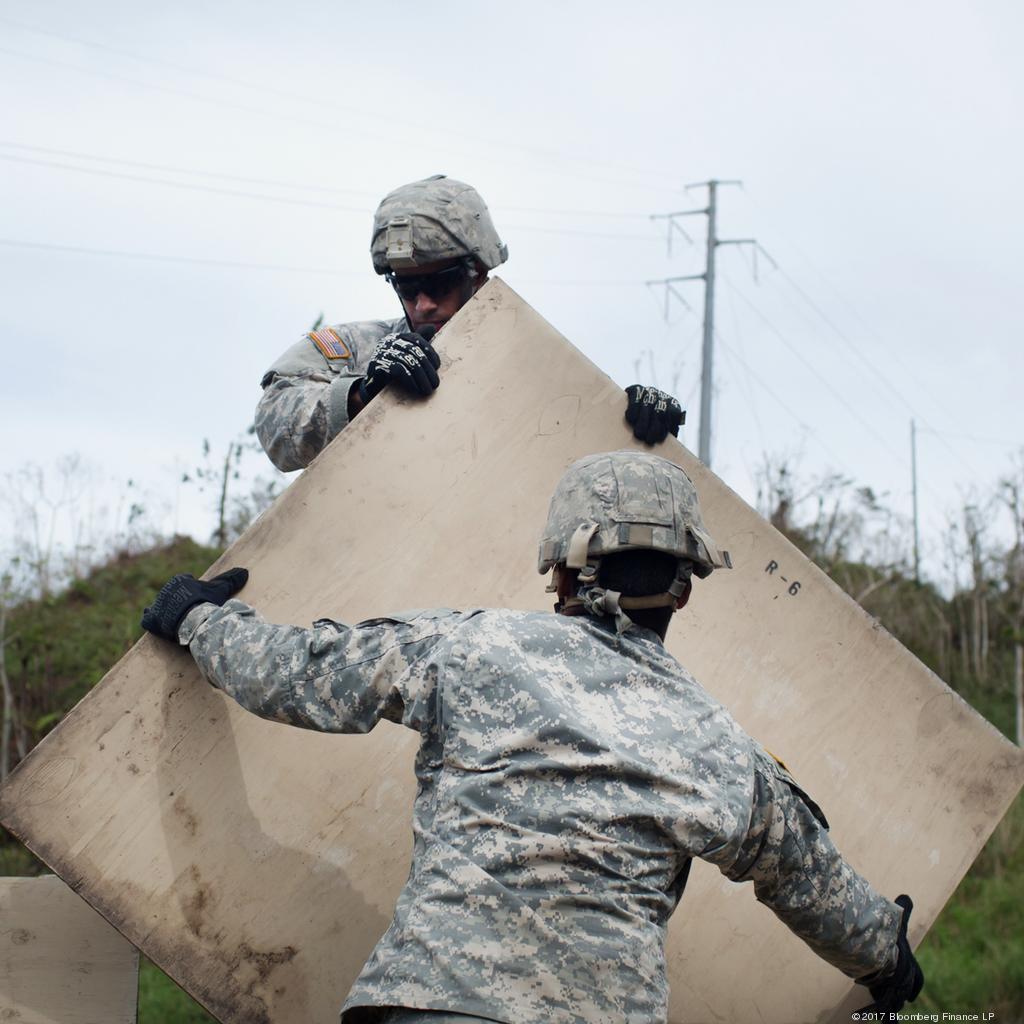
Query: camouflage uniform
x: 305, y: 397
x: 567, y: 775
x: 305, y: 393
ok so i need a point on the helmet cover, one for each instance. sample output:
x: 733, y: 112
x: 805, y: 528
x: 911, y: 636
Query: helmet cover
x: 437, y: 218
x: 621, y: 501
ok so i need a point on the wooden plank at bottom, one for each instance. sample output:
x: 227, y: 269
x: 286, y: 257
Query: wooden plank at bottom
x: 60, y: 962
x: 258, y: 864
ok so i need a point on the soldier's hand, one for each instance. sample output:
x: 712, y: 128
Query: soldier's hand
x: 407, y: 359
x: 653, y: 414
x: 904, y: 984
x: 182, y: 593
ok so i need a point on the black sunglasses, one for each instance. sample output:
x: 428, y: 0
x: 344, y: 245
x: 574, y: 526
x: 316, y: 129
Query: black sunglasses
x: 434, y: 286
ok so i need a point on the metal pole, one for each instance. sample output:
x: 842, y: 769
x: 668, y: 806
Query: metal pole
x: 704, y: 446
x: 913, y: 476
x: 1018, y: 690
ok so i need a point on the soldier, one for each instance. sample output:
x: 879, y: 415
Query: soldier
x: 569, y: 770
x: 434, y: 242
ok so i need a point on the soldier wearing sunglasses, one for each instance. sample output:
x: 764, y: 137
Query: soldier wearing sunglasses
x: 434, y: 242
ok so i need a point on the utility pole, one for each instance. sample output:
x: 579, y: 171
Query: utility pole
x: 708, y: 349
x: 913, y: 478
x: 708, y: 277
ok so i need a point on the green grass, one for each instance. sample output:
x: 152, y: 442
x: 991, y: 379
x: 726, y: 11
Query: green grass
x: 973, y: 957
x: 63, y: 645
x: 162, y: 1002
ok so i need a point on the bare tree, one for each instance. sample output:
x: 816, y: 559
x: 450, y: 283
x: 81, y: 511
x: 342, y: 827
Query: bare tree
x: 234, y: 511
x: 1013, y: 495
x: 11, y: 726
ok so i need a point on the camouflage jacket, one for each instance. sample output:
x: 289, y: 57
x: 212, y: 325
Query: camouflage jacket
x: 567, y: 776
x: 305, y: 393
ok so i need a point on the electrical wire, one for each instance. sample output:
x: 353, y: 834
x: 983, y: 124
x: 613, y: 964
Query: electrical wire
x: 405, y: 123
x: 814, y: 370
x: 892, y: 352
x: 874, y: 370
x: 124, y: 176
x: 125, y: 254
x: 304, y: 186
x: 172, y: 169
x: 290, y: 201
x: 785, y: 407
x: 291, y: 119
x: 745, y: 365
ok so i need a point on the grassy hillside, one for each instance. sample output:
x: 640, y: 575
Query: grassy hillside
x: 973, y: 957
x: 61, y: 647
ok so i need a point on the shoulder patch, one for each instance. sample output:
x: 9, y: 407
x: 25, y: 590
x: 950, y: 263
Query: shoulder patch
x: 330, y: 343
x: 787, y: 777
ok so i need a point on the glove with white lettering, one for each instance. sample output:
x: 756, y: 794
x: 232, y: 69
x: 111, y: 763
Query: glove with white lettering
x: 183, y: 592
x: 407, y: 359
x: 905, y: 983
x: 653, y: 414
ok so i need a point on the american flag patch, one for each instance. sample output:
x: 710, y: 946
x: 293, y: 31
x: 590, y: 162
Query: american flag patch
x: 328, y: 340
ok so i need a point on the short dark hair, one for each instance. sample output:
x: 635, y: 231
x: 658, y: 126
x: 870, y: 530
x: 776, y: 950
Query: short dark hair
x: 637, y: 573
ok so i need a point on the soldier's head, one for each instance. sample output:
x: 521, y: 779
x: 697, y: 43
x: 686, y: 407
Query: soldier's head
x: 624, y: 537
x: 434, y: 241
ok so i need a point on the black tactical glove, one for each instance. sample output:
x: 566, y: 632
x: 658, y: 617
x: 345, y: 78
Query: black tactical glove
x: 406, y: 359
x: 183, y: 592
x: 653, y: 414
x: 904, y: 984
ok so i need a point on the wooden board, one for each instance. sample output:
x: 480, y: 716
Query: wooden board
x: 258, y: 864
x: 60, y: 962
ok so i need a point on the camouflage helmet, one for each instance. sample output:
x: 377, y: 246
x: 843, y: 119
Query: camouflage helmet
x: 435, y: 219
x: 621, y: 501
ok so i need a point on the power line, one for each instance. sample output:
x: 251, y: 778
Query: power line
x: 125, y: 254
x: 124, y: 176
x: 299, y: 119
x: 287, y: 200
x: 820, y: 376
x: 744, y: 364
x: 1002, y: 441
x: 839, y: 397
x: 305, y: 186
x: 242, y: 265
x: 784, y: 406
x: 148, y: 59
x: 892, y: 351
x: 865, y: 361
x: 874, y: 370
x: 194, y: 172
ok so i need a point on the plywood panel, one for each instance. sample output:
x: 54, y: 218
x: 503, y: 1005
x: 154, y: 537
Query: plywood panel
x: 60, y: 962
x: 258, y: 864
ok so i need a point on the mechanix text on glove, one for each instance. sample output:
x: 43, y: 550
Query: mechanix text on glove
x: 653, y: 414
x: 407, y: 360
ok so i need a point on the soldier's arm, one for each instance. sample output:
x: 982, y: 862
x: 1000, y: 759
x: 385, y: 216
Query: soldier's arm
x: 331, y: 678
x: 311, y: 393
x: 798, y: 872
x: 299, y: 413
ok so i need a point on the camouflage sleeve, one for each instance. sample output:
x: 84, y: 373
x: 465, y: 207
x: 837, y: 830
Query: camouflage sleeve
x: 331, y: 678
x: 304, y: 404
x: 298, y: 415
x: 798, y: 872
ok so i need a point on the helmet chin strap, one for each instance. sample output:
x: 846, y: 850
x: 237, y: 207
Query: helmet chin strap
x: 592, y: 599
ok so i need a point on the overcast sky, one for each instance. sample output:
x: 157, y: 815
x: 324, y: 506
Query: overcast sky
x: 186, y: 187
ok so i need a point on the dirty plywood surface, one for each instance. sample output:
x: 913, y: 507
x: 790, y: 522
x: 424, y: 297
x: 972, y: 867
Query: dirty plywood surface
x: 60, y: 962
x: 258, y: 864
